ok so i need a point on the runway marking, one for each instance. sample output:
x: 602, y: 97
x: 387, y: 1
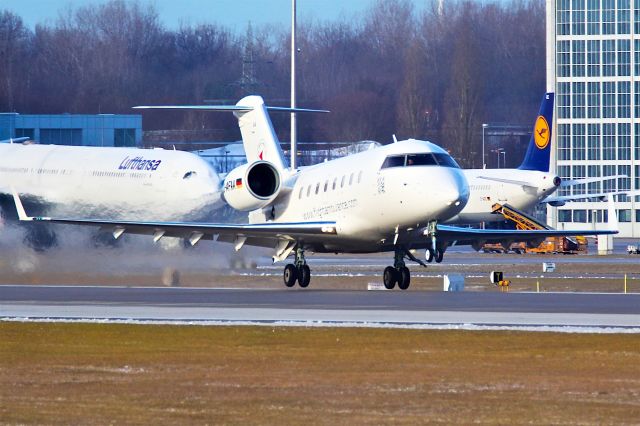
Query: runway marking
x: 321, y: 317
x: 344, y: 324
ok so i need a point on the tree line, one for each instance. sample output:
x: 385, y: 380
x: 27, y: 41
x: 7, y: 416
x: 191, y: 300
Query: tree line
x: 435, y: 74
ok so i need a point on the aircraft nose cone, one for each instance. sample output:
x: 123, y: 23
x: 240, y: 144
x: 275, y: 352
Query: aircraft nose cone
x: 454, y: 191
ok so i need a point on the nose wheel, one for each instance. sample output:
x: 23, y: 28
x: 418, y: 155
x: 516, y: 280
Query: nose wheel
x: 299, y: 271
x: 437, y: 255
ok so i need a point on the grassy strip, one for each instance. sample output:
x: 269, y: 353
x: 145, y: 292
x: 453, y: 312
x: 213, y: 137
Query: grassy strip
x: 96, y: 373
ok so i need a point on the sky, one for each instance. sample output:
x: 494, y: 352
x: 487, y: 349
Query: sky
x: 234, y: 14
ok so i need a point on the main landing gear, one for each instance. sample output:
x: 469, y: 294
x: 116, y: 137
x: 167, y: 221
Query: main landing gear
x: 398, y: 273
x: 299, y: 271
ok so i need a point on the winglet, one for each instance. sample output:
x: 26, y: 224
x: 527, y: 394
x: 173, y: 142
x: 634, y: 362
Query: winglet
x: 22, y: 214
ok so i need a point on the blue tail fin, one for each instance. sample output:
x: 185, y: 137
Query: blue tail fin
x: 539, y: 151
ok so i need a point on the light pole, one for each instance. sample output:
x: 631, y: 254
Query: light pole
x: 294, y: 147
x: 484, y: 126
x: 504, y: 159
x: 498, y: 151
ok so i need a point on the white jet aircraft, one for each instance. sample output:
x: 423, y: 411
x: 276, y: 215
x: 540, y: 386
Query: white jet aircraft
x: 110, y: 183
x: 392, y: 198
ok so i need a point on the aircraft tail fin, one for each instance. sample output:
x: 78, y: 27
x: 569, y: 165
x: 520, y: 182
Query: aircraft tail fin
x: 258, y: 135
x: 539, y: 150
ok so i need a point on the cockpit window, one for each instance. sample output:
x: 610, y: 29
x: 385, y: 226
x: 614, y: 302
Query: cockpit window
x: 189, y: 175
x: 445, y: 160
x: 393, y: 161
x: 423, y: 159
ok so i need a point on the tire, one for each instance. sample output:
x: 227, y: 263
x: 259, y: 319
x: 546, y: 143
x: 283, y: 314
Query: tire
x: 404, y: 278
x: 290, y: 275
x: 304, y: 276
x: 439, y: 255
x: 429, y: 255
x: 389, y: 277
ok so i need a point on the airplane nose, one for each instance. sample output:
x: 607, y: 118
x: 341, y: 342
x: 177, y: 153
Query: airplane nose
x: 454, y: 191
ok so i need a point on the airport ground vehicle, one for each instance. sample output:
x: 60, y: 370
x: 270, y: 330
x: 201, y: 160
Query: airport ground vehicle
x: 551, y: 245
x: 633, y: 249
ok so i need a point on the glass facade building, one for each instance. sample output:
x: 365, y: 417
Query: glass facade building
x: 593, y: 65
x: 70, y: 129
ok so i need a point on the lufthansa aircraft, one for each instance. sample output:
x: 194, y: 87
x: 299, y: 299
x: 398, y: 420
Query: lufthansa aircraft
x: 388, y: 199
x: 525, y: 187
x: 109, y: 183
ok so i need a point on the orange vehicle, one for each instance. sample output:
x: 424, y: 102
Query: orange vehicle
x: 551, y: 245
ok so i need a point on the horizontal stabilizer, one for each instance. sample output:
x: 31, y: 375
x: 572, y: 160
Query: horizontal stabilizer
x: 582, y: 181
x: 232, y: 108
x: 510, y: 181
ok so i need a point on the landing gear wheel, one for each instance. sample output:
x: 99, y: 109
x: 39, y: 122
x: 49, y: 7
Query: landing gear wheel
x: 404, y: 278
x: 389, y: 277
x: 439, y: 255
x: 290, y: 275
x: 304, y: 276
x: 429, y: 255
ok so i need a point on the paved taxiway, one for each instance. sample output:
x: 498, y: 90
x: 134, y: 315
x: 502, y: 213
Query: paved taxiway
x: 322, y: 307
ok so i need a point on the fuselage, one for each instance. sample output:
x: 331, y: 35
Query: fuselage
x: 111, y: 183
x: 375, y: 194
x: 484, y: 193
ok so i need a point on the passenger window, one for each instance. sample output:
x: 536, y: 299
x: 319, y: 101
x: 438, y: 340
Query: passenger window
x: 308, y: 190
x: 393, y: 161
x: 351, y: 179
x: 300, y: 194
x: 326, y: 185
x: 317, y: 188
x: 342, y: 182
x: 359, y: 176
x: 335, y: 181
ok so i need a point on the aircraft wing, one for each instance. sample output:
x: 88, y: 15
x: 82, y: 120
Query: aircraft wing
x: 455, y: 233
x: 267, y: 234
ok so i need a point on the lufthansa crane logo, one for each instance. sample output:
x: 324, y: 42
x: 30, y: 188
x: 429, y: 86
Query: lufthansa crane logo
x: 541, y: 133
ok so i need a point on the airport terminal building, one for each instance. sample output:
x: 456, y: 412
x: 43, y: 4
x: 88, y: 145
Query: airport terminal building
x: 593, y: 65
x: 74, y: 129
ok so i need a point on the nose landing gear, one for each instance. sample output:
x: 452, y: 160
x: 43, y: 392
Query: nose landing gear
x: 437, y: 255
x: 299, y: 271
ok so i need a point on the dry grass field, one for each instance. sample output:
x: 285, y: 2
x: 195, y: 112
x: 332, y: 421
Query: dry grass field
x: 143, y: 374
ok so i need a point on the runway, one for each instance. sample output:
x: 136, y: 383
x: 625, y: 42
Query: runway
x: 573, y: 312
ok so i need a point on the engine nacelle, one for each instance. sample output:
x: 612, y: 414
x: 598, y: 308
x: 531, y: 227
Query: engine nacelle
x: 251, y: 186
